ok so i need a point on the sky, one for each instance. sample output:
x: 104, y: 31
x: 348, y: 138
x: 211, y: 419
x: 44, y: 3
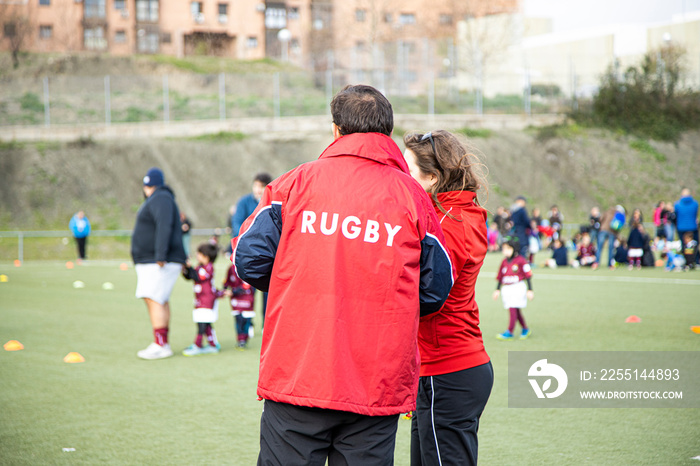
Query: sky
x: 569, y: 15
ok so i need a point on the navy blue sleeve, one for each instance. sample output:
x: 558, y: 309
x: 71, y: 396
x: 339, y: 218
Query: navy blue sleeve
x: 435, y: 275
x: 162, y: 210
x: 257, y: 246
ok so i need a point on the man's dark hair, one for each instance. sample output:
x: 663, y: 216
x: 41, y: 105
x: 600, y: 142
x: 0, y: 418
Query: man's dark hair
x: 362, y: 109
x: 208, y: 250
x: 263, y: 177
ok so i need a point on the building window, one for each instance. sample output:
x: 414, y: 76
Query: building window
x: 166, y: 38
x: 45, y: 32
x: 147, y: 42
x: 293, y: 12
x: 120, y: 36
x: 407, y: 18
x: 252, y: 42
x: 45, y: 2
x: 9, y: 29
x: 197, y: 11
x: 94, y: 39
x: 388, y: 18
x: 275, y: 16
x: 94, y: 8
x: 147, y: 10
x: 446, y: 19
x: 223, y: 13
x: 120, y: 4
x: 360, y: 15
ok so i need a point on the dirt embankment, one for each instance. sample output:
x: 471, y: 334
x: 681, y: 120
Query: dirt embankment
x: 43, y: 184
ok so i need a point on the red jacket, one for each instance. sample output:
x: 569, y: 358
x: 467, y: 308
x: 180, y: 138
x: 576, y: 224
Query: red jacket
x: 350, y: 250
x: 450, y: 340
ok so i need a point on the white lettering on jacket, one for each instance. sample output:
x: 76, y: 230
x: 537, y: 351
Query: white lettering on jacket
x: 351, y: 227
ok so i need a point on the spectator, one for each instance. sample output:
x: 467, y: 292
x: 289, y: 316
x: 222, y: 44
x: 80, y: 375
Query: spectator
x: 521, y: 225
x: 501, y: 219
x: 247, y: 204
x: 668, y: 219
x: 244, y: 208
x: 635, y: 245
x: 559, y: 254
x: 358, y: 256
x: 556, y: 220
x: 156, y: 248
x: 594, y: 224
x: 621, y: 252
x: 636, y: 218
x: 686, y: 210
x: 80, y: 227
x: 658, y: 220
x: 607, y: 233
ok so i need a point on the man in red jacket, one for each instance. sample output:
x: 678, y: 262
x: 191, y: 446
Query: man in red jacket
x: 352, y: 254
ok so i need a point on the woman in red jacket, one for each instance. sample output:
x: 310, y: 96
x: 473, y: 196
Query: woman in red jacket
x: 456, y: 375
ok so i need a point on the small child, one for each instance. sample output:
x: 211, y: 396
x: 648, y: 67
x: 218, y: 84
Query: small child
x: 635, y: 245
x: 690, y: 247
x: 586, y: 251
x: 512, y: 277
x: 242, y: 305
x: 621, y: 252
x: 559, y: 254
x: 206, y: 307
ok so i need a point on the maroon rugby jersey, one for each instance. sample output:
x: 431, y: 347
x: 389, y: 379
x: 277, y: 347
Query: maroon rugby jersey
x: 205, y: 293
x: 514, y: 270
x: 243, y: 293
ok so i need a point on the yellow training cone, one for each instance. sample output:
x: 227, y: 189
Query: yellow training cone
x: 13, y: 345
x: 3, y: 278
x: 74, y: 357
x: 695, y: 328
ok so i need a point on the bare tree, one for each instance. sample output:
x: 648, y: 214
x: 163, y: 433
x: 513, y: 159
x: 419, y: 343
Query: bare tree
x: 17, y: 28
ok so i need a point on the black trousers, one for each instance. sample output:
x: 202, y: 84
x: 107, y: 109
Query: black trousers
x: 445, y: 425
x: 296, y: 435
x: 81, y: 246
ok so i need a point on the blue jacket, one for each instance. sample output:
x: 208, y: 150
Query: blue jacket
x: 686, y: 214
x: 245, y: 206
x: 521, y: 223
x: 157, y: 233
x: 79, y: 227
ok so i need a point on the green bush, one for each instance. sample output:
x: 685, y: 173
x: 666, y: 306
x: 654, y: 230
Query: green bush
x: 646, y: 100
x: 31, y: 102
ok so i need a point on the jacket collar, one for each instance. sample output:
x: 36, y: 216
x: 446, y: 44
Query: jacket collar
x: 457, y: 198
x: 373, y: 146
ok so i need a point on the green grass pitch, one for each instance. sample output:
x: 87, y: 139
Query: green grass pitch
x: 115, y: 408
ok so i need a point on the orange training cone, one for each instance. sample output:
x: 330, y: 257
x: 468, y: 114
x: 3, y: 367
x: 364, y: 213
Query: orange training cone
x: 695, y: 328
x: 69, y: 265
x: 73, y: 357
x: 18, y: 263
x: 13, y: 345
x: 123, y: 266
x: 633, y: 320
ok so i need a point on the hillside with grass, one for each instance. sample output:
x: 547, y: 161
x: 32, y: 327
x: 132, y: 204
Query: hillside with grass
x: 43, y: 183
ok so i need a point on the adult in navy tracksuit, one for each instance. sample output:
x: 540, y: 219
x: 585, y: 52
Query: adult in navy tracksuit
x: 686, y: 209
x: 521, y: 223
x: 352, y: 254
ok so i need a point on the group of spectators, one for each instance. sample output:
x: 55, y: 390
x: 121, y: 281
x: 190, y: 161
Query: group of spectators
x: 674, y: 239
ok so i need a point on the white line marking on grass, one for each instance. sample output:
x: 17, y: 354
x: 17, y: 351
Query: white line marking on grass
x: 665, y: 281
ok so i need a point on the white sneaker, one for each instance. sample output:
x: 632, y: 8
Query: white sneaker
x: 155, y: 351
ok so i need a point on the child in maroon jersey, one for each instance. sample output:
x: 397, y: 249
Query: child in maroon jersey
x: 512, y: 277
x: 585, y: 251
x: 242, y: 304
x: 206, y: 308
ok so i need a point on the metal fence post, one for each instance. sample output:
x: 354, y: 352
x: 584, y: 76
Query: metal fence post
x: 527, y: 93
x: 47, y: 107
x: 431, y: 95
x: 108, y: 103
x: 20, y: 247
x: 166, y: 100
x: 276, y: 90
x: 222, y: 96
